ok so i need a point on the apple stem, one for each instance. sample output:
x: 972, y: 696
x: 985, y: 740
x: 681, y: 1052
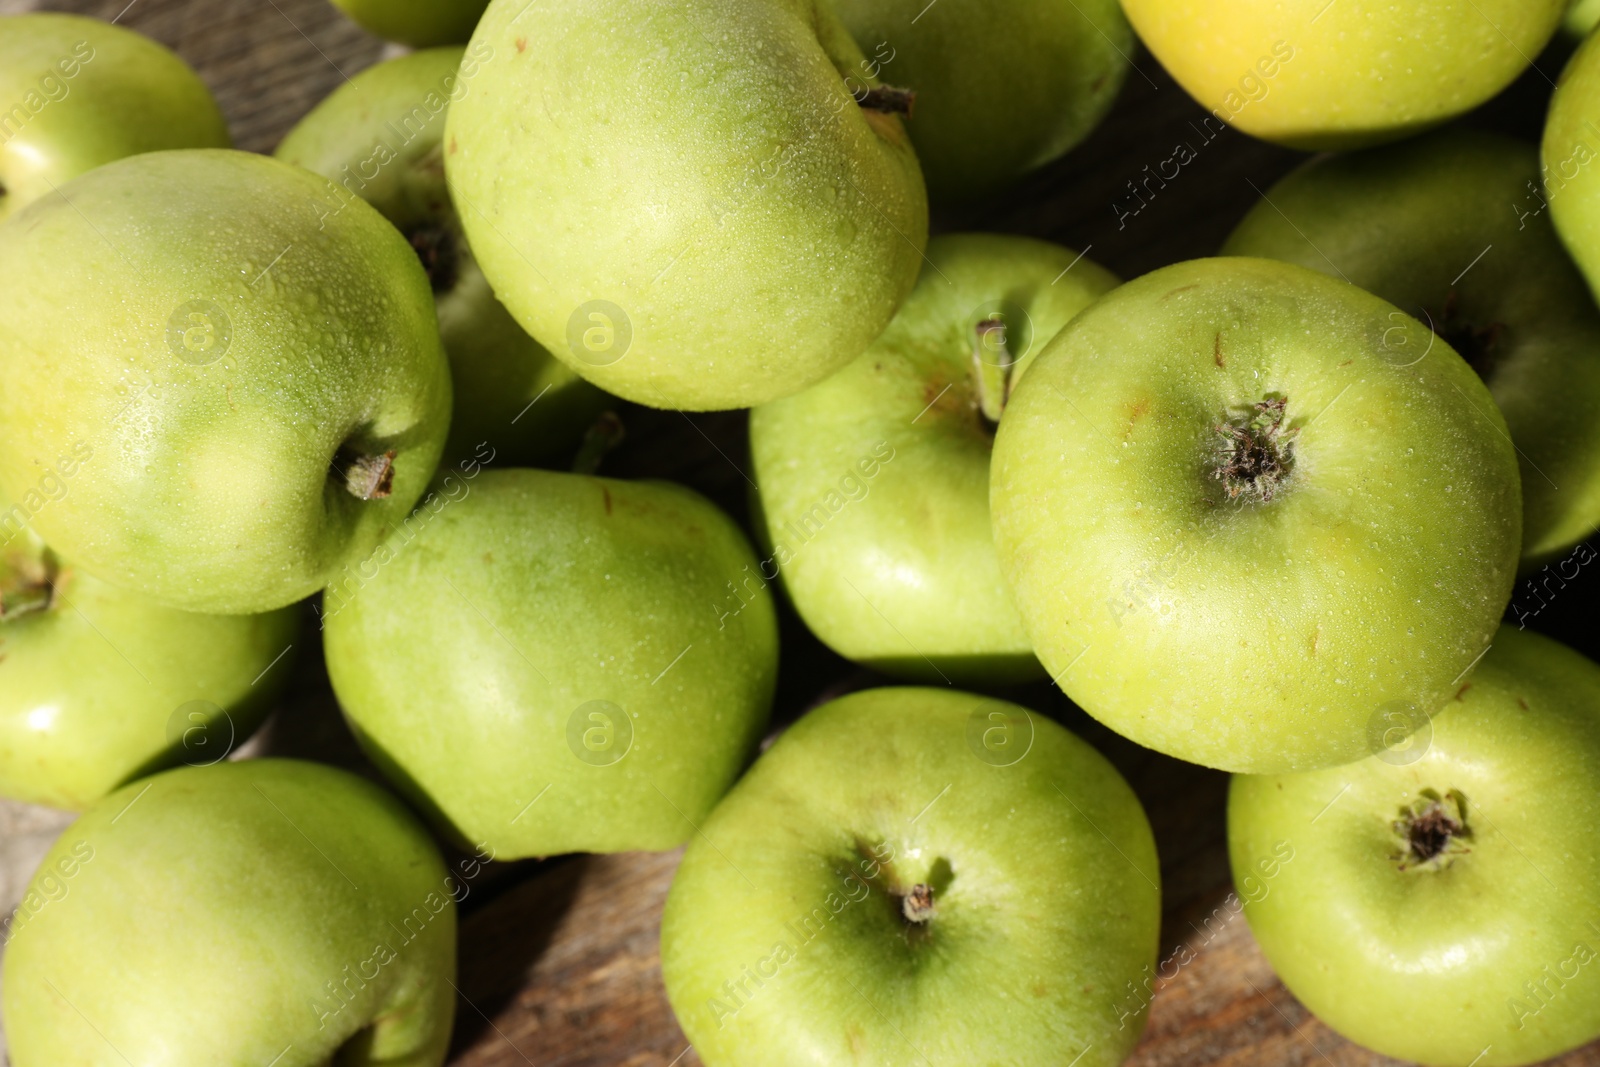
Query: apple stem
x: 888, y: 99
x: 598, y: 442
x: 917, y: 905
x: 991, y: 367
x: 367, y: 477
x: 1433, y: 827
x: 28, y: 586
x: 1257, y: 454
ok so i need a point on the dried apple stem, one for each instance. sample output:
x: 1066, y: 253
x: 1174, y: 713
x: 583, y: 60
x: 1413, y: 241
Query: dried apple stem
x: 917, y: 905
x: 888, y: 99
x: 367, y: 477
x: 991, y: 367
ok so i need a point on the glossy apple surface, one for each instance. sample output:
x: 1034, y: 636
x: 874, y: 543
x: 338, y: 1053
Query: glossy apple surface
x: 99, y: 685
x: 225, y: 353
x: 1317, y: 75
x: 874, y: 484
x: 1241, y: 517
x: 997, y: 97
x: 78, y: 93
x: 1570, y: 158
x: 380, y: 136
x: 1439, y: 907
x: 683, y: 201
x: 1426, y: 226
x: 897, y: 858
x: 268, y: 911
x: 539, y: 661
x: 418, y: 23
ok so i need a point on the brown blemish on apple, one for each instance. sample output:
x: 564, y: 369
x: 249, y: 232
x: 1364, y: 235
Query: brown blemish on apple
x: 522, y: 45
x: 1135, y: 411
x: 1216, y: 351
x: 1463, y: 690
x: 1180, y: 289
x: 452, y: 145
x: 1316, y: 640
x: 1523, y: 704
x: 606, y: 496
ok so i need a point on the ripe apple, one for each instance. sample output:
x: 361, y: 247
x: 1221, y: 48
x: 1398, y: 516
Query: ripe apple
x: 1425, y: 225
x: 380, y: 136
x: 874, y: 484
x: 1580, y: 18
x: 266, y: 911
x: 418, y: 23
x: 243, y: 370
x: 683, y: 201
x: 1000, y: 96
x: 1440, y: 906
x: 916, y: 876
x: 1571, y: 160
x: 1316, y: 74
x: 99, y: 685
x: 540, y: 664
x: 76, y: 93
x: 1245, y: 508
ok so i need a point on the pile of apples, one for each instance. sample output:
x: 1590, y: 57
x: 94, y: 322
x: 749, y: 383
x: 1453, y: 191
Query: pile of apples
x: 1261, y: 512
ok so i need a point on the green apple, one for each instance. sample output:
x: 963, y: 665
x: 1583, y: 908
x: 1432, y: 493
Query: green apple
x: 874, y: 484
x: 1002, y: 89
x: 1571, y: 160
x: 99, y: 686
x: 916, y: 876
x: 1441, y: 906
x: 418, y: 23
x: 242, y: 369
x: 1580, y: 18
x: 1319, y: 74
x: 1244, y: 508
x: 687, y: 202
x: 1426, y: 226
x: 258, y: 912
x: 380, y: 136
x: 539, y: 661
x: 77, y: 93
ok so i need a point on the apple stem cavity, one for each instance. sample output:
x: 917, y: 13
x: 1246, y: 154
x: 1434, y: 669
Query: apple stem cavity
x: 887, y: 99
x: 1257, y: 453
x: 1432, y: 830
x: 991, y: 367
x: 366, y: 476
x: 917, y: 904
x: 599, y: 441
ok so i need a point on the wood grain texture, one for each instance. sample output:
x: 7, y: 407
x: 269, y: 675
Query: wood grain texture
x: 559, y: 961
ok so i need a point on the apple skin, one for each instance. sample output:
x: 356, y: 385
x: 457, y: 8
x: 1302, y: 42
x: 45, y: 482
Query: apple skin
x: 204, y: 476
x: 418, y: 23
x: 466, y: 662
x: 710, y: 224
x: 1580, y: 18
x: 1402, y: 222
x: 1249, y: 634
x: 388, y: 122
x: 224, y: 914
x: 1428, y: 962
x: 997, y: 97
x: 88, y: 93
x: 1045, y: 896
x: 1319, y: 76
x: 903, y: 576
x: 1570, y: 154
x: 96, y: 687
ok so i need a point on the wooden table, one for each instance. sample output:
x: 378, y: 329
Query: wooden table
x: 559, y: 962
